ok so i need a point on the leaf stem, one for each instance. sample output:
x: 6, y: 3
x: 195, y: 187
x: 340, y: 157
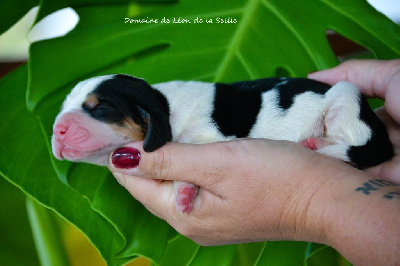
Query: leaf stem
x: 46, y: 235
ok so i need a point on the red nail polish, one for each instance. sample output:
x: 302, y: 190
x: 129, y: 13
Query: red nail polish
x: 126, y: 158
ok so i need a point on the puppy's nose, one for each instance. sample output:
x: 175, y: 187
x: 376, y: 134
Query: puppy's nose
x: 71, y: 134
x: 60, y: 131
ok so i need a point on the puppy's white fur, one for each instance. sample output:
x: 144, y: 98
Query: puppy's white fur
x: 191, y: 107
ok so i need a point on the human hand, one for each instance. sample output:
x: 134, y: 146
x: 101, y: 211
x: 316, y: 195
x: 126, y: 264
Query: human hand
x: 250, y: 189
x: 375, y: 78
x: 258, y: 190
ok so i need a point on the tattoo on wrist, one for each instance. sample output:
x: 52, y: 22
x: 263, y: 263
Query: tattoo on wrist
x: 375, y: 184
x: 392, y: 195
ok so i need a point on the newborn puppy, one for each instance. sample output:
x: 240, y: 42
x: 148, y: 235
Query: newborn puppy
x: 106, y: 112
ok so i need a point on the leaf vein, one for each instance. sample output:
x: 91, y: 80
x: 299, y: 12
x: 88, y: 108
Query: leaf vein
x: 248, y: 12
x: 293, y: 30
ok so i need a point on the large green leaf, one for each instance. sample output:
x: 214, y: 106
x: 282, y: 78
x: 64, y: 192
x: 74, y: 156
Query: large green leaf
x: 269, y: 38
x: 269, y: 35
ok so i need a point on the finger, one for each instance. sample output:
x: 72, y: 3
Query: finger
x: 157, y: 197
x: 392, y: 126
x: 375, y: 78
x: 371, y: 76
x: 173, y: 161
x: 393, y: 96
x: 389, y: 170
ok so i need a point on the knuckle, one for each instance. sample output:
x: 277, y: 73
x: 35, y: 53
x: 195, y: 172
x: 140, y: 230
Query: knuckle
x: 160, y: 164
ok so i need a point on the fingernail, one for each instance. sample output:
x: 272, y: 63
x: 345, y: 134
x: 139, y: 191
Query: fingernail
x: 126, y: 158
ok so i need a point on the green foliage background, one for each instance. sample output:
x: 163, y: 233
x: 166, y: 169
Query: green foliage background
x: 270, y: 38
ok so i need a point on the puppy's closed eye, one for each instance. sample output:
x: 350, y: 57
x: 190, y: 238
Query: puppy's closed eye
x: 103, y: 111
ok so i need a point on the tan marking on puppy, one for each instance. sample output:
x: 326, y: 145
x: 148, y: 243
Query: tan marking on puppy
x: 131, y: 129
x: 91, y: 101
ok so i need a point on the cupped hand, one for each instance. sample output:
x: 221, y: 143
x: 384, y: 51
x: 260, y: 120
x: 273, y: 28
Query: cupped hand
x: 375, y: 78
x: 250, y: 189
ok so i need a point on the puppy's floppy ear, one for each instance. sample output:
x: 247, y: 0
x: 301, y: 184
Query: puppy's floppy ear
x: 158, y: 132
x: 153, y: 108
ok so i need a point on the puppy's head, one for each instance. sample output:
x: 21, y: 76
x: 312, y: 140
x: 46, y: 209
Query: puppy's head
x: 106, y: 112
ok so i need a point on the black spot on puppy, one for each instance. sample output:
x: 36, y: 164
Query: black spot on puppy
x: 235, y: 110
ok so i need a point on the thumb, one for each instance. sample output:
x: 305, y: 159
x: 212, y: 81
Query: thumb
x: 375, y: 78
x: 134, y: 169
x: 173, y: 161
x: 157, y: 197
x: 371, y: 76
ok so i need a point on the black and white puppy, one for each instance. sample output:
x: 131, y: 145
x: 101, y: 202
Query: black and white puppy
x: 106, y: 112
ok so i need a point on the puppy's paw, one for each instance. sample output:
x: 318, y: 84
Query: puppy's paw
x: 315, y: 143
x: 185, y: 194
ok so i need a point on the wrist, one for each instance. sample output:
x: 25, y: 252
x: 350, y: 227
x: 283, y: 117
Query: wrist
x: 305, y: 215
x: 352, y: 213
